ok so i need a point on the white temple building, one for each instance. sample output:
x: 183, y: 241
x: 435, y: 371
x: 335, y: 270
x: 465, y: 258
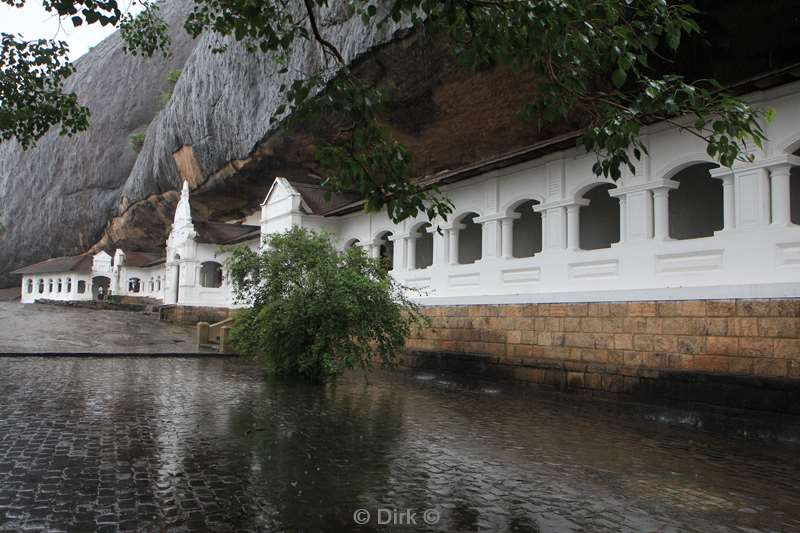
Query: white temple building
x: 526, y: 228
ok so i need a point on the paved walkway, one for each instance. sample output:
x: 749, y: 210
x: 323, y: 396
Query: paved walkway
x: 125, y: 444
x: 36, y: 328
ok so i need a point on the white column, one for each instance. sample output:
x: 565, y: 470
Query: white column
x: 508, y: 236
x: 573, y: 227
x: 399, y: 255
x: 554, y: 225
x: 544, y: 230
x: 411, y: 251
x: 752, y: 198
x: 453, y: 233
x: 780, y: 194
x: 490, y: 238
x: 661, y: 213
x: 623, y: 219
x: 440, y: 245
x: 729, y: 202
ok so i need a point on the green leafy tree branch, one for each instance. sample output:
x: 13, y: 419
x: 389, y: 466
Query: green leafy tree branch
x: 608, y: 61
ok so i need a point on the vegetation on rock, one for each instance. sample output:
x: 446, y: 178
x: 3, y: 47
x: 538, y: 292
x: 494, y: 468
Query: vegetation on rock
x: 315, y: 311
x: 137, y: 141
x: 172, y: 79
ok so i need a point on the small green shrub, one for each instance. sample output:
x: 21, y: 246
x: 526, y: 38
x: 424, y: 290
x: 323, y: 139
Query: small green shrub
x: 137, y: 141
x: 316, y: 311
x: 172, y: 79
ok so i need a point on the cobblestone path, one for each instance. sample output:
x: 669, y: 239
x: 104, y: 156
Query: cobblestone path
x: 138, y: 444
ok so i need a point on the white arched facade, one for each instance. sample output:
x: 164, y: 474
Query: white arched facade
x: 754, y: 253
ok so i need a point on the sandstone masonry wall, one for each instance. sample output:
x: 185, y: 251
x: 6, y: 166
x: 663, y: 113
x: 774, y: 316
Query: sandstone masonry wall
x: 739, y: 353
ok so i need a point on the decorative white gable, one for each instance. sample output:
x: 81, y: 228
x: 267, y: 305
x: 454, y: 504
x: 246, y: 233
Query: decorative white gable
x: 101, y: 263
x: 282, y: 208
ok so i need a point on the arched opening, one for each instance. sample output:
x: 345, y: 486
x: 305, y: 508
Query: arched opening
x: 81, y: 286
x: 59, y: 285
x: 29, y: 286
x: 527, y: 230
x: 794, y: 193
x: 69, y: 284
x: 599, y: 221
x: 386, y: 250
x: 696, y: 206
x: 352, y: 243
x: 470, y: 240
x: 41, y: 286
x: 211, y: 274
x: 423, y: 246
x: 158, y: 283
x: 134, y: 285
x: 50, y: 285
x: 100, y: 287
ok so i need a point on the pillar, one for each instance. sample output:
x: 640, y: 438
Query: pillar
x: 411, y: 251
x: 623, y: 219
x: 729, y: 203
x: 780, y: 194
x: 453, y: 232
x: 441, y: 242
x: 752, y: 198
x: 661, y: 213
x: 490, y: 238
x: 507, y: 237
x: 399, y: 256
x: 573, y: 227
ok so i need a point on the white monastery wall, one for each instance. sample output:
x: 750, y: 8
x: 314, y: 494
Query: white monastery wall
x: 546, y: 230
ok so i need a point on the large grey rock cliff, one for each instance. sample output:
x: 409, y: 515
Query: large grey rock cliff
x: 92, y: 191
x: 59, y: 197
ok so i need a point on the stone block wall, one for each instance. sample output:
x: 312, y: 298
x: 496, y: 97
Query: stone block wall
x: 628, y: 347
x: 190, y: 314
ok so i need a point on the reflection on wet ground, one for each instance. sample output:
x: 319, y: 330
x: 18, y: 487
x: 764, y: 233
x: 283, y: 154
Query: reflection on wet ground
x: 137, y: 444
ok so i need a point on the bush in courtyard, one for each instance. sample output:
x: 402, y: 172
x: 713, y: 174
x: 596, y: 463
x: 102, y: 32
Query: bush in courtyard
x: 316, y: 311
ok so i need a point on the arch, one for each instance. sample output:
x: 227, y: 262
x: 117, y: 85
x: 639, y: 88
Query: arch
x: 579, y: 192
x: 511, y: 207
x: 676, y: 165
x: 599, y: 220
x: 470, y: 238
x: 29, y: 286
x: 50, y: 285
x: 696, y: 206
x: 385, y: 249
x: 790, y: 144
x: 211, y: 274
x: 351, y: 243
x: 152, y: 285
x: 59, y: 285
x: 134, y: 285
x: 81, y: 286
x: 41, y: 285
x: 423, y: 245
x: 158, y: 283
x: 526, y: 228
x: 69, y: 285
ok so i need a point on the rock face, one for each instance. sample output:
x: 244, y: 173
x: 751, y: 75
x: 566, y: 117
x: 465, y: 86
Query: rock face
x: 93, y: 191
x: 56, y: 198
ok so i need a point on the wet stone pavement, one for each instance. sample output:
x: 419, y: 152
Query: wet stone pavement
x: 206, y: 444
x: 40, y: 328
